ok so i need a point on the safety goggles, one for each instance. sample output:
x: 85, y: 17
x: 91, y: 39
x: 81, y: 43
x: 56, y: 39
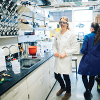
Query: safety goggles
x: 63, y: 22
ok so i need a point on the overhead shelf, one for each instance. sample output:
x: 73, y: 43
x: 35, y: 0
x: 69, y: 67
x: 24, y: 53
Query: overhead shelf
x: 37, y: 15
x: 30, y: 38
x: 8, y: 36
x: 41, y: 28
x: 24, y: 26
x: 22, y: 9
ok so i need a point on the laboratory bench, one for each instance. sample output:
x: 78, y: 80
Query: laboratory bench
x: 22, y: 86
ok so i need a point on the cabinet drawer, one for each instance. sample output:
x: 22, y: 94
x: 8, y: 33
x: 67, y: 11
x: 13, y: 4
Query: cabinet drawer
x: 19, y: 89
x: 7, y: 95
x: 36, y: 74
x: 15, y: 91
x: 24, y: 96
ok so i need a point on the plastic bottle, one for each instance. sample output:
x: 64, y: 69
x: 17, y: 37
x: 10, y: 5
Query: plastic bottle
x: 38, y: 51
x: 42, y: 51
x: 15, y: 66
x: 2, y: 60
x: 52, y: 38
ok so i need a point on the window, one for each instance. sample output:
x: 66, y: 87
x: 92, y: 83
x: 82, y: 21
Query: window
x: 83, y: 20
x: 58, y: 15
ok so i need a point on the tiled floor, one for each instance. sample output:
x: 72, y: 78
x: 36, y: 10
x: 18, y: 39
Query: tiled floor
x: 77, y: 88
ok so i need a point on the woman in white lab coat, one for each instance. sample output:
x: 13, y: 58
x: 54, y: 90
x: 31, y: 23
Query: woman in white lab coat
x: 65, y: 44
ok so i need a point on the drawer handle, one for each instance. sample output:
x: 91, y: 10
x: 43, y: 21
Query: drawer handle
x: 16, y: 88
x: 40, y: 81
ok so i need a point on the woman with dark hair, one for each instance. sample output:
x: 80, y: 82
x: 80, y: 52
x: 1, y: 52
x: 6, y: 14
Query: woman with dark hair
x: 90, y: 62
x: 65, y: 44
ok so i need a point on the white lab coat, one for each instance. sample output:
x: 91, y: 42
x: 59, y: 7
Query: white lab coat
x: 67, y: 43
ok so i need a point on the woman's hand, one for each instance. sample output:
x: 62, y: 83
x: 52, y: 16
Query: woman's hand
x: 62, y: 55
x: 56, y: 55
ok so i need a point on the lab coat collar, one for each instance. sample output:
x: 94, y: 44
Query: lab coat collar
x: 65, y: 34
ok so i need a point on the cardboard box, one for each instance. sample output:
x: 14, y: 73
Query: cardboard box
x: 97, y: 19
x: 98, y: 16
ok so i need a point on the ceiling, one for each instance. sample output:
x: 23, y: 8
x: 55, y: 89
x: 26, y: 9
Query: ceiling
x: 63, y: 4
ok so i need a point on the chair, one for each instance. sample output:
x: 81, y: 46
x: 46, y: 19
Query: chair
x: 74, y: 58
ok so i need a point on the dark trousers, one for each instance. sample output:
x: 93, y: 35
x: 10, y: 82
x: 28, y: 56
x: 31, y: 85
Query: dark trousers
x: 61, y: 82
x: 88, y: 84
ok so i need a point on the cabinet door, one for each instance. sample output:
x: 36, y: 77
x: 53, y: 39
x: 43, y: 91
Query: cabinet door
x: 35, y: 75
x: 24, y: 96
x: 52, y: 78
x: 34, y: 91
x: 45, y: 84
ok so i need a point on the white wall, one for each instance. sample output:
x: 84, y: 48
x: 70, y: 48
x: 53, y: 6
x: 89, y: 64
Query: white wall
x: 71, y: 24
x: 7, y: 42
x: 78, y: 16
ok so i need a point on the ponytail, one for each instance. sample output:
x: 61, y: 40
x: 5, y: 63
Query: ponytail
x: 97, y: 31
x: 68, y: 27
x: 97, y: 36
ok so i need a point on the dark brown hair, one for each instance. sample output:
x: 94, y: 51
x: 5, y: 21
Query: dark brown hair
x: 97, y: 31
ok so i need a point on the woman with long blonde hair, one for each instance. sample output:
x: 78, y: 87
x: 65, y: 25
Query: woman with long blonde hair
x: 65, y: 44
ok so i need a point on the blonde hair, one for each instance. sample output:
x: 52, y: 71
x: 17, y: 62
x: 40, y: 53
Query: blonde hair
x: 65, y: 18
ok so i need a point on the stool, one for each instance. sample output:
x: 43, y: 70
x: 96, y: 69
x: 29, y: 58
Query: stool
x: 74, y: 58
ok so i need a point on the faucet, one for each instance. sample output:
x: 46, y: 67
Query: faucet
x: 10, y: 51
x: 5, y: 47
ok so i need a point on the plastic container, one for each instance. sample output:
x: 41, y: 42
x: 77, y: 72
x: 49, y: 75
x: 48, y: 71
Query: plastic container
x: 32, y: 50
x: 42, y: 51
x: 2, y: 60
x: 38, y: 51
x: 15, y: 66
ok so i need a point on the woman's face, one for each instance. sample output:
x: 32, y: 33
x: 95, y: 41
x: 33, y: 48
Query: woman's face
x: 64, y: 24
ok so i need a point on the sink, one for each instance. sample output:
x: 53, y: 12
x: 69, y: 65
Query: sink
x: 28, y: 62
